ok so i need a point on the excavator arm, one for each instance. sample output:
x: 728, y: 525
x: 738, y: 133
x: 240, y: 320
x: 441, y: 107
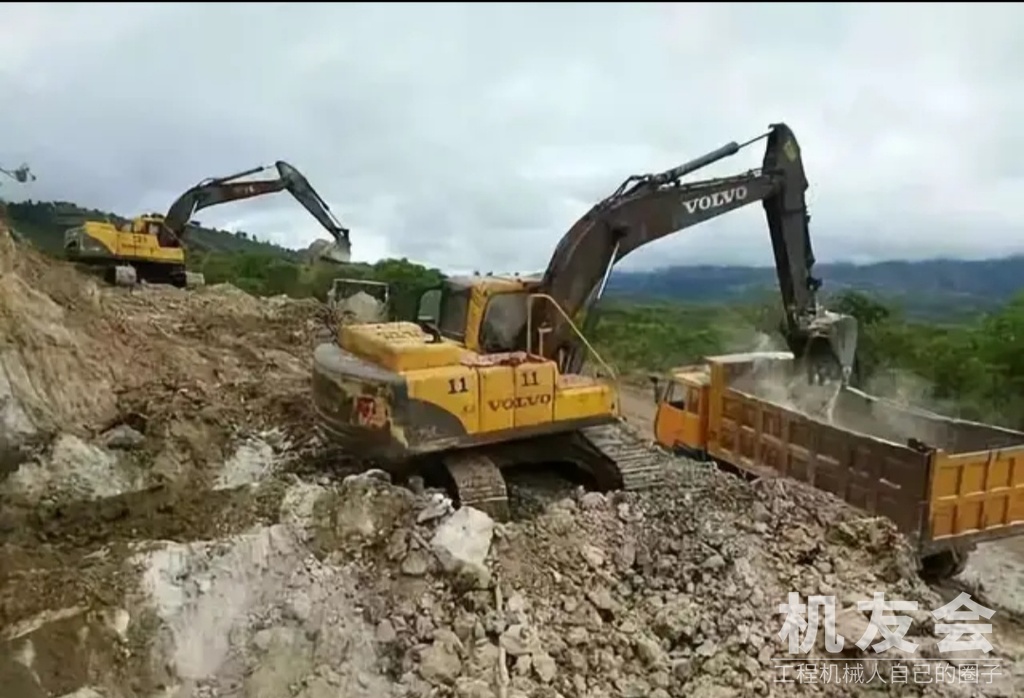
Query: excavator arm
x: 221, y: 190
x: 649, y: 207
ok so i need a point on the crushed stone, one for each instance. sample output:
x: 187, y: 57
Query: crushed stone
x: 167, y: 528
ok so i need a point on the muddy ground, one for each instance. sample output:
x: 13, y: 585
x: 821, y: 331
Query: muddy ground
x: 170, y: 525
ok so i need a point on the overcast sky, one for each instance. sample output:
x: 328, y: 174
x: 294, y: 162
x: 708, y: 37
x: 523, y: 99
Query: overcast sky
x: 473, y: 136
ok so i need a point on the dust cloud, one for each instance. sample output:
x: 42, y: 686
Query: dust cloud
x: 895, y: 406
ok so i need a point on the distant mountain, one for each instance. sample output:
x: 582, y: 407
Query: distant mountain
x: 926, y: 289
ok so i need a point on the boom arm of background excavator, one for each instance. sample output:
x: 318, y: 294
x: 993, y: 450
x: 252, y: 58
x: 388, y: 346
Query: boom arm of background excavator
x: 221, y: 190
x: 649, y: 207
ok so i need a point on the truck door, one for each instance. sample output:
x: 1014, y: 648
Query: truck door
x: 670, y: 421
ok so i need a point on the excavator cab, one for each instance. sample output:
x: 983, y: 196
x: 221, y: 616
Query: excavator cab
x: 359, y: 300
x: 486, y: 314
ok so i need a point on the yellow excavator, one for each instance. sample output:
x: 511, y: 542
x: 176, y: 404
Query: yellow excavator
x: 152, y: 247
x: 488, y: 377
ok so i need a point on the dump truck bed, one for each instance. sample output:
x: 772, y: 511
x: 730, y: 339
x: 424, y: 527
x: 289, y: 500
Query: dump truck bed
x: 945, y: 482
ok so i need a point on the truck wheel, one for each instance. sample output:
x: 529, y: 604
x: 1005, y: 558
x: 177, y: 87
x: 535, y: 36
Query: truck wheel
x: 960, y: 565
x: 944, y: 565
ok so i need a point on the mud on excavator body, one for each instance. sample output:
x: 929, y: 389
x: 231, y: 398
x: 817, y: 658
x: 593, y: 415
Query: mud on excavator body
x: 419, y: 397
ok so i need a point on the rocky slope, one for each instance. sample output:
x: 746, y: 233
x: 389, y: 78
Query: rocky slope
x: 170, y: 526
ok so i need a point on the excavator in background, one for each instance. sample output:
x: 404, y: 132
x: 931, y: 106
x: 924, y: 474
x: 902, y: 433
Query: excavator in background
x: 21, y: 174
x: 489, y: 377
x: 152, y: 247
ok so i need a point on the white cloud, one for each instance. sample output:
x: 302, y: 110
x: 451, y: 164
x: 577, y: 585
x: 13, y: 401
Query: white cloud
x: 473, y: 136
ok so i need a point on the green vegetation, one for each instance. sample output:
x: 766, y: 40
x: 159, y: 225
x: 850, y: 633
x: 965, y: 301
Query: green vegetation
x: 964, y: 358
x: 268, y: 275
x: 972, y: 368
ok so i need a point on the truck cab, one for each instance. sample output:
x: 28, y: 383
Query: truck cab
x: 681, y: 422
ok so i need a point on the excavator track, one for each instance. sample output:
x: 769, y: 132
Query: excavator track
x: 616, y: 459
x: 639, y: 467
x: 479, y: 483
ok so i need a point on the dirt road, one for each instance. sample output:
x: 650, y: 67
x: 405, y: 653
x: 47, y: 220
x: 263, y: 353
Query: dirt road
x: 637, y: 403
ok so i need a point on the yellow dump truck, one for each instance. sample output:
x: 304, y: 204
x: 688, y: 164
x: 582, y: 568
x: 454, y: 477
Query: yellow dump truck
x: 946, y: 483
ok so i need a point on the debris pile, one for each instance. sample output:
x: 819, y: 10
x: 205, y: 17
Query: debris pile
x: 168, y: 527
x: 639, y: 594
x: 169, y: 375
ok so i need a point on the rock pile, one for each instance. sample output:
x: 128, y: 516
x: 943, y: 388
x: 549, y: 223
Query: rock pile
x: 167, y: 529
x: 657, y: 594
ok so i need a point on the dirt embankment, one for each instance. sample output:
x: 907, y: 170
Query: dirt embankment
x: 168, y: 528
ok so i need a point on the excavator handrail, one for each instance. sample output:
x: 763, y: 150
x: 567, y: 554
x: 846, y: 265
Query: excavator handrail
x: 529, y: 331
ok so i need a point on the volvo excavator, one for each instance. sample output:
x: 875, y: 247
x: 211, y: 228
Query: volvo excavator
x: 152, y: 247
x: 489, y: 377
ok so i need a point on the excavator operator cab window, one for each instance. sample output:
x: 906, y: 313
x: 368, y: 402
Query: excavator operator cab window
x: 504, y: 326
x: 430, y: 305
x: 451, y: 318
x: 153, y: 228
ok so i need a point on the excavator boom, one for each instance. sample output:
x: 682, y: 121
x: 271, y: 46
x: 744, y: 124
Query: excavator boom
x: 221, y: 190
x: 649, y: 207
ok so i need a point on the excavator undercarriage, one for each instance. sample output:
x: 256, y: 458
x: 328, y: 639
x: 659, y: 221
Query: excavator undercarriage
x: 170, y: 274
x: 409, y: 437
x: 606, y: 457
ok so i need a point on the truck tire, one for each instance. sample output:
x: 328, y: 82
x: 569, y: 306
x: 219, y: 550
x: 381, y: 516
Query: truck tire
x: 944, y: 565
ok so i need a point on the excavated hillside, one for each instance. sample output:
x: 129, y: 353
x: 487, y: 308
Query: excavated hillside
x: 171, y: 526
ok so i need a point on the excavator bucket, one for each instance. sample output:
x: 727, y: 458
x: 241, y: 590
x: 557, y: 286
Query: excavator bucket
x: 832, y: 346
x: 339, y: 252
